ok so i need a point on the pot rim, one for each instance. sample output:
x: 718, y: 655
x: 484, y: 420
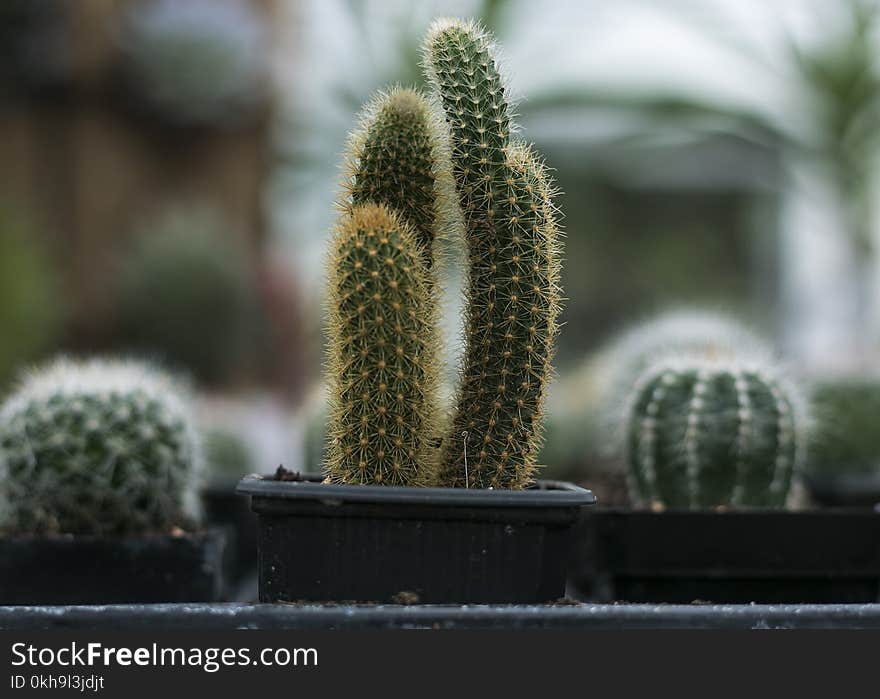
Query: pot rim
x: 547, y: 494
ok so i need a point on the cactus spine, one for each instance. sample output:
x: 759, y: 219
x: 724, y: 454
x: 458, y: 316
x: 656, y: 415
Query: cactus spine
x: 382, y: 365
x: 97, y: 447
x: 513, y: 250
x: 705, y: 433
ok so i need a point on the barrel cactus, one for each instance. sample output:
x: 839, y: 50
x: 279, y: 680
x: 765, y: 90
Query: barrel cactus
x: 97, y: 448
x: 693, y: 332
x: 513, y: 297
x: 704, y: 433
x: 844, y: 441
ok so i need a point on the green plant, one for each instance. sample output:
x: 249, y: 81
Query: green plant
x: 844, y: 438
x: 382, y: 366
x: 31, y: 315
x: 704, y: 433
x: 383, y: 337
x: 396, y: 159
x: 227, y: 457
x: 514, y: 264
x: 610, y: 374
x: 186, y: 297
x: 99, y: 448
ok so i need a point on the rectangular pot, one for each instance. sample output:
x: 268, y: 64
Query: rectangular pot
x: 324, y: 542
x: 225, y: 510
x: 103, y: 570
x: 845, y: 489
x: 735, y: 557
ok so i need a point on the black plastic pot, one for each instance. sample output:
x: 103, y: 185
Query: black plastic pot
x: 224, y: 509
x: 322, y: 542
x: 733, y: 557
x: 96, y: 570
x: 844, y: 490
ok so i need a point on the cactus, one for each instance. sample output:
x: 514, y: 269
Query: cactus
x: 614, y: 369
x: 396, y: 158
x: 32, y: 312
x: 514, y: 266
x: 382, y: 362
x: 226, y: 455
x: 704, y: 433
x: 97, y: 448
x: 844, y: 440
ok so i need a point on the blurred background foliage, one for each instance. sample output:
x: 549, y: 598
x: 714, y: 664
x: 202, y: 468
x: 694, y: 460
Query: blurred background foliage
x: 169, y: 170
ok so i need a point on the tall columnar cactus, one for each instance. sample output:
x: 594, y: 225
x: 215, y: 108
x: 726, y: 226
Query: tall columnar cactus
x: 396, y: 158
x: 703, y: 433
x: 97, y: 447
x: 382, y: 361
x: 513, y: 249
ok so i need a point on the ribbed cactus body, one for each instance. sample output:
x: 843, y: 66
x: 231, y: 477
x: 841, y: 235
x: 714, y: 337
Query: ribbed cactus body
x: 97, y: 447
x: 382, y: 363
x: 705, y: 434
x: 845, y: 440
x: 513, y: 287
x: 394, y: 159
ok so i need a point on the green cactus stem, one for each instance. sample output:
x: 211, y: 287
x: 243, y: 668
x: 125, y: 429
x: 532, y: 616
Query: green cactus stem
x: 382, y: 365
x: 396, y: 158
x: 513, y: 297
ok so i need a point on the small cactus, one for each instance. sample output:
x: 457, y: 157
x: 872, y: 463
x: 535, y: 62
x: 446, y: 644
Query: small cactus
x: 844, y: 441
x: 97, y: 448
x: 396, y: 158
x: 382, y: 364
x: 705, y: 433
x: 512, y: 239
x: 693, y: 332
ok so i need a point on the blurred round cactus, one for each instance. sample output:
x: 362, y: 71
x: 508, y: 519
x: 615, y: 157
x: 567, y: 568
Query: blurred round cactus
x: 706, y: 432
x: 843, y: 439
x: 31, y: 315
x: 195, y: 63
x: 575, y: 446
x: 695, y: 333
x: 97, y: 448
x: 227, y: 457
x: 186, y: 298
